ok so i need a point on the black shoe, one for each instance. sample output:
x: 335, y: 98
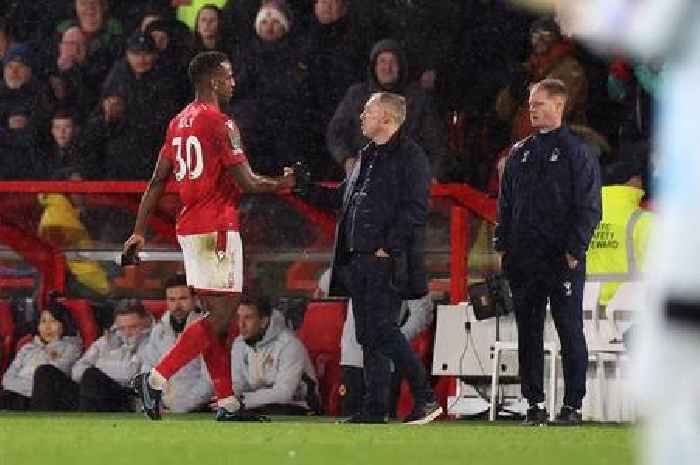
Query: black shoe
x: 241, y: 415
x: 150, y: 398
x: 364, y: 418
x: 535, y: 417
x: 568, y: 416
x: 423, y: 414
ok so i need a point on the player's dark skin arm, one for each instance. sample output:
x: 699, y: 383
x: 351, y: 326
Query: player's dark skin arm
x: 250, y: 182
x: 150, y: 199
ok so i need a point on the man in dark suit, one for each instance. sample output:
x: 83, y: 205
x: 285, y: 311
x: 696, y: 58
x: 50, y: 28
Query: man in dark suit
x: 379, y: 252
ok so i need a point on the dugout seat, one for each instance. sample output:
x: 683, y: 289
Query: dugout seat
x: 156, y: 307
x: 321, y: 332
x: 7, y: 330
x: 84, y: 320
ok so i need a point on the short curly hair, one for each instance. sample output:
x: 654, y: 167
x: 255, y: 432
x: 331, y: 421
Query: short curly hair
x: 204, y: 64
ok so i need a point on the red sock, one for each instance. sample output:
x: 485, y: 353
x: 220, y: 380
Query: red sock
x: 218, y: 360
x: 193, y: 341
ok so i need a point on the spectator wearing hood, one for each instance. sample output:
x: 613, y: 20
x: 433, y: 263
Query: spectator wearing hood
x: 272, y: 94
x: 388, y: 72
x: 54, y: 349
x: 271, y: 369
x: 105, y: 371
x: 552, y: 57
x: 21, y: 89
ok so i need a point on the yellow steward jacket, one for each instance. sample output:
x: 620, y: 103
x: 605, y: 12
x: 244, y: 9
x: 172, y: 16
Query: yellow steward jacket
x: 616, y: 251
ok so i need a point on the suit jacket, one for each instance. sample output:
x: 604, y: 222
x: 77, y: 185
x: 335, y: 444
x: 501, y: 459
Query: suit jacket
x: 392, y: 214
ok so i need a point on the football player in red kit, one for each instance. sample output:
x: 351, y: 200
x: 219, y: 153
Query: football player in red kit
x: 203, y: 153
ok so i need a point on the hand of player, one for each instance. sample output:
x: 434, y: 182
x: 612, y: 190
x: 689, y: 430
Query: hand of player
x: 571, y: 261
x: 134, y: 243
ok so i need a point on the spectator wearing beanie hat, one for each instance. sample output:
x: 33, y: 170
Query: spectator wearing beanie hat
x: 20, y: 88
x: 272, y: 93
x: 272, y: 21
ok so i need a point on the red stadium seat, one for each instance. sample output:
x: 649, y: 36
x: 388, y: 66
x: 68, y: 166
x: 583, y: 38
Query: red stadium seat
x: 26, y: 339
x: 84, y: 320
x: 321, y: 333
x: 7, y: 330
x: 156, y: 307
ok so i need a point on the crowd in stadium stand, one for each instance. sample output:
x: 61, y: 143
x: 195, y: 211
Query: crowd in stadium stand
x: 89, y: 85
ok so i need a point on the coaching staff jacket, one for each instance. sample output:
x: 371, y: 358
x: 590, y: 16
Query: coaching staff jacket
x: 549, y: 204
x: 390, y: 213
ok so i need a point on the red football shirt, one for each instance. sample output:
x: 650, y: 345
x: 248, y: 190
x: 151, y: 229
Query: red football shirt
x: 200, y: 143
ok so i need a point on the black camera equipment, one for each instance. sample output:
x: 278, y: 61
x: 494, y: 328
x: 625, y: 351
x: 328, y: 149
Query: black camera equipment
x: 491, y: 298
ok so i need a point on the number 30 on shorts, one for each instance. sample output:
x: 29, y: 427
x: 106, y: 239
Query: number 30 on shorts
x: 193, y: 163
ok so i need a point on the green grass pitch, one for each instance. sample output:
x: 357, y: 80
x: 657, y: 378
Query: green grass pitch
x: 195, y: 439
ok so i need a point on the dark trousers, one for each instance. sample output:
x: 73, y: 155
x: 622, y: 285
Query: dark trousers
x: 100, y: 393
x: 376, y: 308
x: 53, y: 390
x: 566, y: 299
x: 354, y: 392
x: 10, y: 400
x: 282, y: 409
